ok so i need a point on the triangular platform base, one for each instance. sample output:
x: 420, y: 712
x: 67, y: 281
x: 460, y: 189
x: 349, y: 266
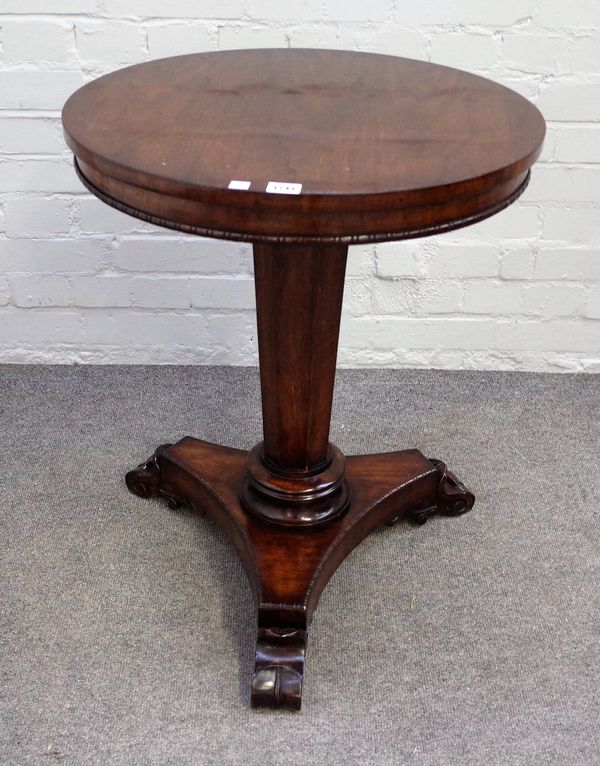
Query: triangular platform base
x: 289, y: 567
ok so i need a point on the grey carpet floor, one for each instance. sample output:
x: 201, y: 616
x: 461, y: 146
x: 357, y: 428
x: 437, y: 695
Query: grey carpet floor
x: 126, y: 629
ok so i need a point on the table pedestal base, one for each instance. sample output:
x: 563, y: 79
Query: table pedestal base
x: 287, y: 566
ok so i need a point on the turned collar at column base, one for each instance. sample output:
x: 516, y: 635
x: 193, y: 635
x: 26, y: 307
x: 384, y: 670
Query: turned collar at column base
x: 295, y: 497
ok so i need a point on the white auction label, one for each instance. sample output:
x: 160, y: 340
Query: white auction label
x: 283, y: 187
x: 242, y: 185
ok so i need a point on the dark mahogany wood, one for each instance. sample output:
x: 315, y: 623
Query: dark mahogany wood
x: 299, y: 293
x: 289, y: 567
x: 384, y: 148
x: 295, y: 476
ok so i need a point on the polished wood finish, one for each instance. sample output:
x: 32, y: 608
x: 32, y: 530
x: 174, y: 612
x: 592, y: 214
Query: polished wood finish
x: 299, y: 293
x: 295, y: 476
x: 289, y: 567
x: 385, y: 148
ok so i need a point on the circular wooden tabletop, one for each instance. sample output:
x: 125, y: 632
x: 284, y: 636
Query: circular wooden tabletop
x: 297, y: 144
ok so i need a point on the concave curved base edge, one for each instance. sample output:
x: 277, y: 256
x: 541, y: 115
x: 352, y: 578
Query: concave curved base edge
x: 289, y: 567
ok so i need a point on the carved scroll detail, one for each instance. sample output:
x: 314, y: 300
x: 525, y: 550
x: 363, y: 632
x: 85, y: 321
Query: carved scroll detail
x: 453, y: 498
x: 279, y: 667
x: 145, y: 481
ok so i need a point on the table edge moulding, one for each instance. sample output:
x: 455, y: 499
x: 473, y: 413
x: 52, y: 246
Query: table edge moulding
x: 366, y: 148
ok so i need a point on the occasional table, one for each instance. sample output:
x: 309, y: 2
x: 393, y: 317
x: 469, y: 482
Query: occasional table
x: 302, y: 153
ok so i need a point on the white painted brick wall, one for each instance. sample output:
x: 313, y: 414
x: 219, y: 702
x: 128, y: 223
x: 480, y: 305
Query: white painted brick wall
x: 80, y: 282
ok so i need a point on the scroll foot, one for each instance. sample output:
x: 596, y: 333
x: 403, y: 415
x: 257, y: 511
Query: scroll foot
x: 453, y: 498
x: 279, y: 667
x: 145, y: 480
x: 289, y: 567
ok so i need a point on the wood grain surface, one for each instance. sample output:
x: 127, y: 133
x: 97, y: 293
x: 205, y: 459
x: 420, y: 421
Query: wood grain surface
x: 384, y: 147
